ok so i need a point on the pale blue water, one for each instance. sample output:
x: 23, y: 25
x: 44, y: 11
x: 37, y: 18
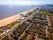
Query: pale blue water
x: 6, y: 11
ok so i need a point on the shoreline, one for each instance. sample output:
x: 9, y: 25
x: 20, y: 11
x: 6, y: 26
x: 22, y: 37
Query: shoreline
x: 13, y: 18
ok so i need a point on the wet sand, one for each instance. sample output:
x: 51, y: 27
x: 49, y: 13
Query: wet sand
x: 8, y: 20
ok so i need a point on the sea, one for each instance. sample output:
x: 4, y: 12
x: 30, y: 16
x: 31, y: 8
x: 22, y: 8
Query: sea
x: 10, y: 10
x: 7, y: 11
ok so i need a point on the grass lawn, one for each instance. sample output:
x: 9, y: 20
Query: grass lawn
x: 12, y: 24
x: 44, y: 12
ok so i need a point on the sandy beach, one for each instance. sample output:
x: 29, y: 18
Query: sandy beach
x: 8, y: 20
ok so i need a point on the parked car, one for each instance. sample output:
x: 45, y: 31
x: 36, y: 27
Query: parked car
x: 27, y: 22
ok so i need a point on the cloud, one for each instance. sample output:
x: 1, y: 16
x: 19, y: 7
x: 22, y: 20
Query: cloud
x: 24, y: 2
x: 18, y: 2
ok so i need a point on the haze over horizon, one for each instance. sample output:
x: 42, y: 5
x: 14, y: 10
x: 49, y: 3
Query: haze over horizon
x: 25, y: 2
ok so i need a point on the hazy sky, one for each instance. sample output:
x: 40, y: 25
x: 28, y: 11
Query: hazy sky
x: 25, y: 2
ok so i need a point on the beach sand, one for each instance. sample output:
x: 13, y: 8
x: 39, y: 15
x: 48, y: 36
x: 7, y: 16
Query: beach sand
x: 11, y: 19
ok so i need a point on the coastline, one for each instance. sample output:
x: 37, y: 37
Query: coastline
x: 11, y: 19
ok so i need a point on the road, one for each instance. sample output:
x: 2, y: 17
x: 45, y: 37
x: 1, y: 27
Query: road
x: 13, y: 28
x: 24, y: 31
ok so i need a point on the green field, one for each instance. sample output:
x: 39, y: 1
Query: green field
x: 44, y: 12
x: 12, y: 24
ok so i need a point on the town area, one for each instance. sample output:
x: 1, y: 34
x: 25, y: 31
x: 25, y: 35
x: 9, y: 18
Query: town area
x: 35, y: 25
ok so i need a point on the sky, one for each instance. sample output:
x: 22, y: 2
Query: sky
x: 25, y: 2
